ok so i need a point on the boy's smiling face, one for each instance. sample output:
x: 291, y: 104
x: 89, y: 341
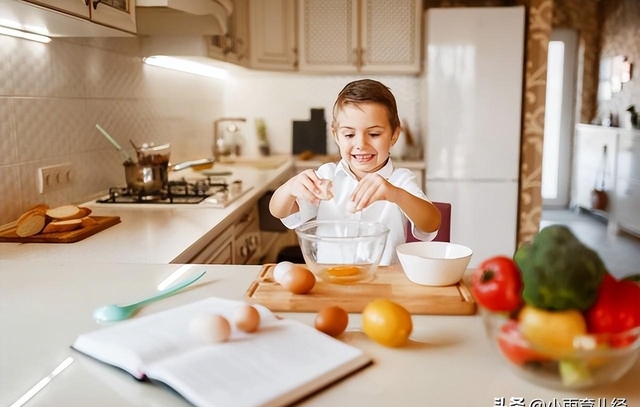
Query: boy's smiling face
x: 364, y: 136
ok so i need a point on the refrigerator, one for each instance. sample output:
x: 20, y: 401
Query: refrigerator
x: 472, y: 85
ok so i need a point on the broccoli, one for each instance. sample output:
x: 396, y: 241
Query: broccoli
x: 558, y: 271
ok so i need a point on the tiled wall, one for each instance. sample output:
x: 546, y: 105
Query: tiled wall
x: 52, y: 95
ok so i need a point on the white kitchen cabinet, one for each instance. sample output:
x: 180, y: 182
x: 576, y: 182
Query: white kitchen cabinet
x: 120, y: 14
x: 233, y: 46
x: 587, y: 159
x: 219, y: 251
x: 368, y: 36
x: 627, y: 191
x: 237, y: 244
x: 273, y: 35
x: 247, y: 238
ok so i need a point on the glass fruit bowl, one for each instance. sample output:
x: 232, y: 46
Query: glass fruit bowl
x: 595, y: 359
x: 342, y: 251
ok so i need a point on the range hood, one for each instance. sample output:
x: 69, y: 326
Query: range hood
x: 173, y: 18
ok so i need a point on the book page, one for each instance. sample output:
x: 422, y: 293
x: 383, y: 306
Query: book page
x: 134, y: 344
x: 275, y: 366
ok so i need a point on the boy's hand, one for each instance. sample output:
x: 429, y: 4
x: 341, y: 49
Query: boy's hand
x: 306, y: 186
x: 371, y: 188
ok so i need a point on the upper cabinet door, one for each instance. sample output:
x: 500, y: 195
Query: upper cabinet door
x: 78, y: 8
x: 328, y: 35
x: 239, y: 33
x: 273, y: 34
x: 390, y: 36
x: 119, y: 14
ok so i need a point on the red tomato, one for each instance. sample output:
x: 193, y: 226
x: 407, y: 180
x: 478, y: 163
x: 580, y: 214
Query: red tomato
x: 515, y: 347
x: 497, y: 284
x: 616, y: 309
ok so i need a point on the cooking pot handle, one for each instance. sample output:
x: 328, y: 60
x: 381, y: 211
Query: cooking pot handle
x: 205, y: 163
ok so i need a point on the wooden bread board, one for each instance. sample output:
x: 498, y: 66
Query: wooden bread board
x: 390, y: 283
x: 71, y: 236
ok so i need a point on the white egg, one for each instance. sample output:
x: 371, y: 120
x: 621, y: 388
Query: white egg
x: 210, y: 328
x: 280, y: 270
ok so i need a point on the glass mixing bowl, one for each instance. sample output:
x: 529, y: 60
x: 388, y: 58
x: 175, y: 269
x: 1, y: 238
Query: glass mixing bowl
x: 595, y: 359
x: 342, y: 251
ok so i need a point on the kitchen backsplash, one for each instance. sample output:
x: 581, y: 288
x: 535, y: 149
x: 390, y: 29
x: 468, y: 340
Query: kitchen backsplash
x: 52, y: 95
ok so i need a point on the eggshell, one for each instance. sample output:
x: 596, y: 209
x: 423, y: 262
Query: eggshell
x: 332, y: 320
x: 246, y: 318
x: 280, y: 269
x: 298, y: 280
x: 325, y: 186
x: 210, y: 328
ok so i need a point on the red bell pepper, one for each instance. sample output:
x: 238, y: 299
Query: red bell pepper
x: 616, y: 309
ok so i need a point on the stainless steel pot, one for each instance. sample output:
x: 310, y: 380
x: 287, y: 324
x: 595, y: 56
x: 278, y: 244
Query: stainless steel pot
x: 146, y: 179
x: 149, y: 179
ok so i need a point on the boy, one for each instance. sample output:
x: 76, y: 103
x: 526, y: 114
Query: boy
x: 363, y: 185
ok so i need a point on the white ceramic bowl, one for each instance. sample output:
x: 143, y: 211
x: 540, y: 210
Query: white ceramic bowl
x: 434, y: 263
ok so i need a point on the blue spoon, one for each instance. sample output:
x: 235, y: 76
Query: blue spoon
x: 117, y: 312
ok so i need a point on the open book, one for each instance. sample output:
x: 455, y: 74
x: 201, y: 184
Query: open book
x: 282, y: 362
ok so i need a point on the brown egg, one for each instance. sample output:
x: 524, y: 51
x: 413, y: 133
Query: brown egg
x: 246, y: 318
x: 332, y: 320
x: 298, y: 280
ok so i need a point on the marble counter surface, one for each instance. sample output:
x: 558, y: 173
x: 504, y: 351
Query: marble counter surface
x: 156, y: 233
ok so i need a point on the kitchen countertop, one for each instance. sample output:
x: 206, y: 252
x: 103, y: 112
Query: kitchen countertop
x: 156, y: 233
x: 448, y: 362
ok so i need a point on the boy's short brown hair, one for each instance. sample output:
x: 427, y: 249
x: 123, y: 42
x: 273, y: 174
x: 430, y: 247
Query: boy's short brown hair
x: 367, y: 90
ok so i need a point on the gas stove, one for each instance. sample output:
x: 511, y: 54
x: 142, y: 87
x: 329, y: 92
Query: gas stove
x: 212, y: 192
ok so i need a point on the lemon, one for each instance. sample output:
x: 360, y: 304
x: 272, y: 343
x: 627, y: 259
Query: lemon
x: 387, y: 323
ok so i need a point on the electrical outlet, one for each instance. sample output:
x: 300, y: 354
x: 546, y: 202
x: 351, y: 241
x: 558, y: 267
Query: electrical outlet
x: 54, y: 177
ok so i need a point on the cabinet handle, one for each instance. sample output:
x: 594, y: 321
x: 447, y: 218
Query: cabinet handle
x: 95, y: 4
x: 356, y: 56
x: 361, y: 59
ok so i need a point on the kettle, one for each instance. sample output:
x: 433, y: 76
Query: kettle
x: 228, y: 142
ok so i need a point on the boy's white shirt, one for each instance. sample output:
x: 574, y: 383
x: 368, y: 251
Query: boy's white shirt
x: 388, y: 213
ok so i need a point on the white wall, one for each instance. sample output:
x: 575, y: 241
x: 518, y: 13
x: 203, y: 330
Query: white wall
x: 281, y: 98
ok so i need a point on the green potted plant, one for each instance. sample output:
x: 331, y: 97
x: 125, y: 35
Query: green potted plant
x: 263, y: 141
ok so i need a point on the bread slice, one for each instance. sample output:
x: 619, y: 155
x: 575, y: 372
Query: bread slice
x: 85, y: 210
x: 39, y: 207
x: 66, y: 212
x: 88, y: 221
x: 31, y: 223
x: 62, y: 226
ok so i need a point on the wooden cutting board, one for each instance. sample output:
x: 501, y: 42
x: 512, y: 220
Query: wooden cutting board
x: 390, y: 283
x: 72, y: 236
